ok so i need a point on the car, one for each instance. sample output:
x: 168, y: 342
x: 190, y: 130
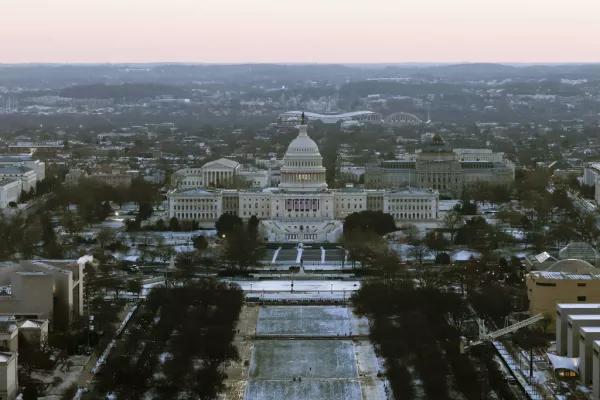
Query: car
x: 511, y: 380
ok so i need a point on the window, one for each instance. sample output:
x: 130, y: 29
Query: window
x: 581, y: 284
x: 545, y: 284
x: 581, y: 298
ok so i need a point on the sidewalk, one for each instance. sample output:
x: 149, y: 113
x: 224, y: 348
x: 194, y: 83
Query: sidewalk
x: 531, y: 392
x: 86, y: 375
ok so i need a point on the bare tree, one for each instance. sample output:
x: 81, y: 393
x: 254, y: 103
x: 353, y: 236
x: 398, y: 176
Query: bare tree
x: 453, y: 221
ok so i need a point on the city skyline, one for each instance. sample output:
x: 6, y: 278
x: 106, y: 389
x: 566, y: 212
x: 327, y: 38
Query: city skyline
x: 264, y: 31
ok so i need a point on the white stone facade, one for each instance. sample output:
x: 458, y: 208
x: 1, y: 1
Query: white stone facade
x: 37, y: 166
x: 25, y: 175
x: 302, y: 208
x: 219, y: 173
x: 10, y: 189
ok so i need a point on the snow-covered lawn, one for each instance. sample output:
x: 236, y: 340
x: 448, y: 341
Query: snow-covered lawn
x: 305, y: 321
x: 314, y: 359
x: 465, y: 255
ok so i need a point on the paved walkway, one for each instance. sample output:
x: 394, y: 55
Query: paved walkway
x: 86, y: 375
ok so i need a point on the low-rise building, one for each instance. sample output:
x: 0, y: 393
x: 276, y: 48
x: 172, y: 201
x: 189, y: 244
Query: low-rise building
x: 25, y: 175
x: 39, y: 167
x: 37, y: 287
x: 547, y: 288
x: 9, y: 382
x: 587, y: 336
x: 574, y: 322
x: 9, y: 334
x: 10, y: 189
x: 34, y: 330
x: 563, y: 312
x: 114, y: 177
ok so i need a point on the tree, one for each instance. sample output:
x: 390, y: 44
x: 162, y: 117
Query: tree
x: 104, y: 236
x: 418, y: 250
x: 104, y: 211
x: 253, y: 225
x: 174, y: 224
x: 363, y: 247
x: 453, y: 221
x: 442, y: 258
x: 200, y: 243
x: 376, y: 221
x: 30, y: 392
x: 165, y: 252
x: 436, y: 242
x: 160, y: 225
x: 241, y: 249
x: 135, y: 286
x: 227, y: 223
x: 529, y: 339
x: 145, y: 211
x: 411, y: 232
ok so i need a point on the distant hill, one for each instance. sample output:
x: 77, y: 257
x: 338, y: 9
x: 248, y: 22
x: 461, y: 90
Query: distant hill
x: 128, y: 91
x: 499, y: 71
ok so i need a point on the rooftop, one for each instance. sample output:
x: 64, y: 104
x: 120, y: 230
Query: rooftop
x: 312, y: 115
x: 583, y: 317
x: 564, y: 306
x: 590, y: 329
x: 7, y: 181
x: 6, y: 356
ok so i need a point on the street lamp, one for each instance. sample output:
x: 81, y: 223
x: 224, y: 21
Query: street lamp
x: 250, y: 288
x: 332, y: 288
x: 90, y: 328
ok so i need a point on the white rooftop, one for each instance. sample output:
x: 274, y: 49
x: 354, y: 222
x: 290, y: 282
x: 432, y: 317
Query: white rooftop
x: 590, y: 329
x: 584, y: 317
x: 577, y: 305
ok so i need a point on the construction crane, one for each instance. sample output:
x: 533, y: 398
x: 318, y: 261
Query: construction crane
x: 485, y: 336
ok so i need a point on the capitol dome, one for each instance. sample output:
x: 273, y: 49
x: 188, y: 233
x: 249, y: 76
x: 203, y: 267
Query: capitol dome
x: 302, y: 164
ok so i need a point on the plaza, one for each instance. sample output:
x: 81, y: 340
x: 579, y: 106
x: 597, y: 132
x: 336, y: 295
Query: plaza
x: 304, y: 352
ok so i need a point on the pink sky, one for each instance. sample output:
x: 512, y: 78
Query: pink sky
x: 366, y: 31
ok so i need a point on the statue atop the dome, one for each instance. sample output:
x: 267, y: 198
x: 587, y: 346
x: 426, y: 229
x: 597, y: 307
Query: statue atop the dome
x: 302, y: 121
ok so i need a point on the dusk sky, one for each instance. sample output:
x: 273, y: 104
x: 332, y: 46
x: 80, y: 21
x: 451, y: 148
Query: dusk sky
x: 325, y: 31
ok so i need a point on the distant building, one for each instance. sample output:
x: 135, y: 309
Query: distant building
x: 9, y: 334
x: 114, y: 177
x: 293, y: 118
x: 567, y: 281
x: 10, y: 189
x: 39, y: 167
x: 441, y: 168
x: 32, y: 147
x: 301, y: 208
x: 218, y: 173
x: 37, y: 286
x: 34, y: 330
x: 8, y: 375
x: 25, y: 175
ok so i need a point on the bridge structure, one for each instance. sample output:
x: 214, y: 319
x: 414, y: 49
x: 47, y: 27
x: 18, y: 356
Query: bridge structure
x: 402, y: 118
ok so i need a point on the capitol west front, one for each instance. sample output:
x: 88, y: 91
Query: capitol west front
x: 301, y: 208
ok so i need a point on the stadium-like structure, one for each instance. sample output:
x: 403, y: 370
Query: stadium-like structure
x: 402, y: 118
x: 292, y: 118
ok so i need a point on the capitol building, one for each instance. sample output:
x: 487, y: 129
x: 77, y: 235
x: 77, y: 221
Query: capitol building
x: 301, y: 208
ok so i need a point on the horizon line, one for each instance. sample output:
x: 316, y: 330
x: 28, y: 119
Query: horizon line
x: 506, y: 63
